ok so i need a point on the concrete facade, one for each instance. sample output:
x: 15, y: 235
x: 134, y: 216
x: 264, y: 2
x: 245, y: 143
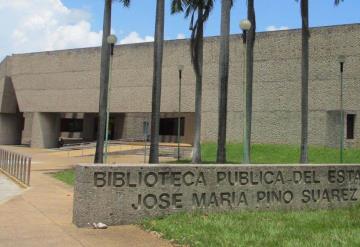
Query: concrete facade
x: 10, y: 131
x: 10, y: 118
x: 68, y: 82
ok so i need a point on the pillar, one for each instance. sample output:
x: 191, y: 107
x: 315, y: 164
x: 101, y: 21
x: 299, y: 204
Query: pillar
x: 45, y: 130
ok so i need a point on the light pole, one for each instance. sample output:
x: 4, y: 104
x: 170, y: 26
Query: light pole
x: 180, y: 69
x: 245, y: 26
x: 341, y: 60
x: 111, y: 40
x: 146, y: 128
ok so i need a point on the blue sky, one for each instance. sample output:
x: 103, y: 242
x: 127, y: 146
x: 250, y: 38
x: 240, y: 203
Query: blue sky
x: 44, y: 25
x: 280, y: 13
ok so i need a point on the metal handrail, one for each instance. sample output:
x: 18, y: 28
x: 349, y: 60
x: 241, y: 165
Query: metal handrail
x: 16, y: 165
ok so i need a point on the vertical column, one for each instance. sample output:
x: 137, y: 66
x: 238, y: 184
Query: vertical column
x: 133, y: 125
x: 45, y: 130
x: 26, y: 133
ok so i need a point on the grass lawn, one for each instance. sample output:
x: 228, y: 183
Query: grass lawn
x: 67, y: 176
x: 339, y: 227
x: 280, y: 154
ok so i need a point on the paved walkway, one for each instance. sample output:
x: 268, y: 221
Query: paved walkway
x: 42, y: 215
x: 8, y: 188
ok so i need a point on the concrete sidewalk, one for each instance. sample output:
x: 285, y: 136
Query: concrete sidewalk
x: 8, y: 188
x: 42, y: 216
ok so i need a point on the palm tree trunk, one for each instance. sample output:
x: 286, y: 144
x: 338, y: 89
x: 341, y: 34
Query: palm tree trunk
x: 104, y: 81
x: 304, y: 81
x: 223, y: 79
x: 156, y: 90
x: 249, y: 73
x: 198, y: 67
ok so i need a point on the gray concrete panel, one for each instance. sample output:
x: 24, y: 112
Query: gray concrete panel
x: 10, y: 129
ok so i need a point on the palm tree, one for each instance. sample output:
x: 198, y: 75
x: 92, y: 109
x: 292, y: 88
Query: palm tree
x: 202, y: 9
x: 304, y: 80
x: 104, y: 79
x: 250, y: 40
x: 156, y: 90
x: 223, y: 78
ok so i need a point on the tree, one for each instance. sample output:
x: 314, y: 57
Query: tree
x: 250, y: 40
x: 156, y: 90
x: 305, y: 79
x: 223, y: 78
x: 201, y: 9
x: 305, y: 36
x: 104, y: 79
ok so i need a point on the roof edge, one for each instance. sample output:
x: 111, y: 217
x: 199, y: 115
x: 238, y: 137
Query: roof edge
x: 262, y: 33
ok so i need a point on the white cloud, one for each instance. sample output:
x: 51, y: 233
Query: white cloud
x: 180, y: 36
x: 39, y: 25
x: 275, y: 28
x: 134, y: 37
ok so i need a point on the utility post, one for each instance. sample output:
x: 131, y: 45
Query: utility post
x: 245, y: 26
x: 341, y: 60
x: 111, y: 40
x: 180, y: 69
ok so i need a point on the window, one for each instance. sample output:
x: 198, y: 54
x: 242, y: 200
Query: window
x: 169, y: 126
x: 350, y: 126
x: 71, y: 125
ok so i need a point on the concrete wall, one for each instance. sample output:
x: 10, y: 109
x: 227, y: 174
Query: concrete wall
x: 355, y: 143
x: 3, y: 67
x: 277, y: 85
x: 68, y: 81
x: 133, y: 124
x: 10, y: 131
x: 37, y: 79
x: 45, y: 130
x: 11, y: 121
x: 8, y: 102
x: 333, y: 129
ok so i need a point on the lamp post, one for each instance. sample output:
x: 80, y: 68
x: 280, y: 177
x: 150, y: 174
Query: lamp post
x: 180, y: 69
x: 111, y: 40
x: 146, y: 130
x: 245, y: 26
x: 341, y: 60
